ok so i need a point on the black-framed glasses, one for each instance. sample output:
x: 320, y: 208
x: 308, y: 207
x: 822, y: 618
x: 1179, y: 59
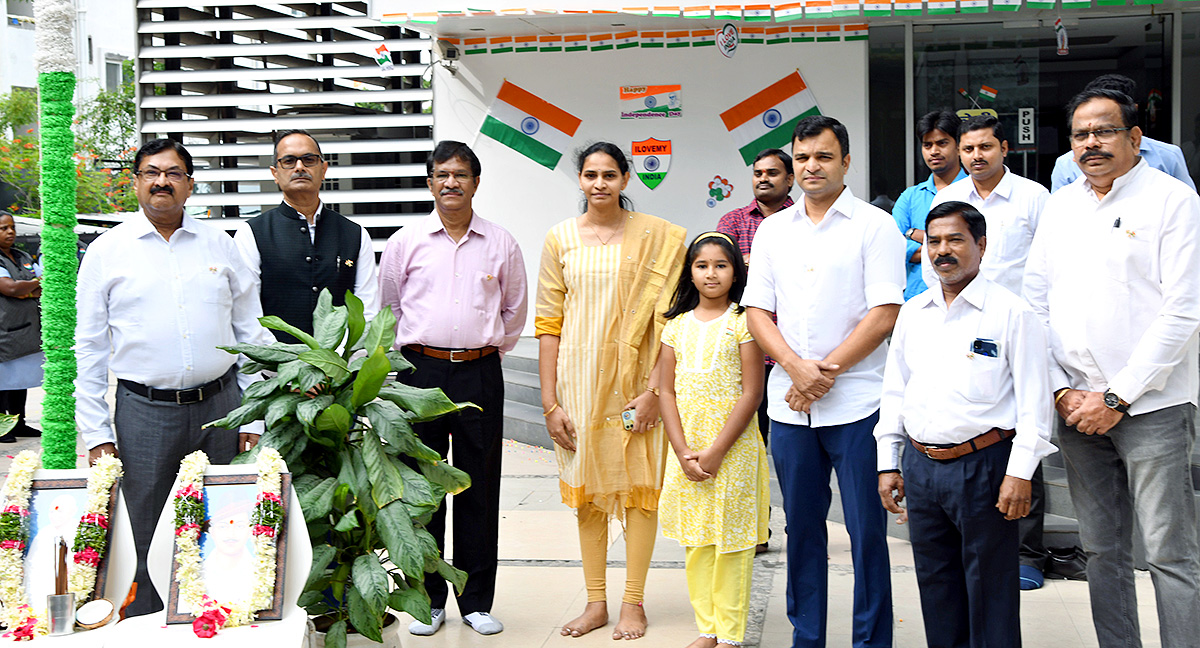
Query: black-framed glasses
x: 441, y: 177
x: 151, y: 174
x: 1103, y: 135
x: 289, y: 161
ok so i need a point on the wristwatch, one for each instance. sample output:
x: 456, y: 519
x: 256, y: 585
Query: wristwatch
x: 909, y: 233
x: 1113, y: 402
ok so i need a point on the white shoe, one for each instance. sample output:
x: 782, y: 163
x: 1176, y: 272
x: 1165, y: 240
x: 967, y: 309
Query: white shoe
x: 483, y: 623
x: 426, y: 629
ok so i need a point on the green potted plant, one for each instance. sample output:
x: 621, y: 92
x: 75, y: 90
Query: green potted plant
x: 366, y: 483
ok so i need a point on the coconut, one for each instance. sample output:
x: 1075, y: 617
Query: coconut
x: 94, y: 614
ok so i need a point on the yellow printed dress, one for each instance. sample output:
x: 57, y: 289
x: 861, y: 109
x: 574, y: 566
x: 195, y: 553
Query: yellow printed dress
x: 729, y: 510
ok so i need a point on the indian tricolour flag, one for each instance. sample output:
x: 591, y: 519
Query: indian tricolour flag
x: 766, y: 119
x: 937, y: 7
x: 1041, y: 4
x: 475, y: 45
x: 804, y: 33
x: 727, y: 12
x: 753, y: 35
x: 697, y: 11
x: 678, y: 39
x: 989, y: 93
x: 843, y: 8
x: 789, y: 11
x: 704, y: 37
x: 530, y: 125
x: 600, y: 42
x: 778, y: 35
x: 652, y: 39
x: 908, y: 7
x: 525, y: 44
x: 1077, y: 4
x: 625, y: 40
x: 665, y: 12
x: 636, y: 11
x: 973, y: 6
x: 756, y: 12
x: 1011, y: 5
x: 818, y: 9
x: 877, y: 7
x: 829, y: 33
x: 500, y: 44
x: 575, y: 43
x: 550, y: 43
x: 854, y: 32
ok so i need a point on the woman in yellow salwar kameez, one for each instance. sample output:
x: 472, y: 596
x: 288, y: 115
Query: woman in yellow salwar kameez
x: 605, y: 280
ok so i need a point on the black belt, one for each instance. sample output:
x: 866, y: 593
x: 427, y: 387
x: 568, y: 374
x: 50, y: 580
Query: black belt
x: 178, y: 396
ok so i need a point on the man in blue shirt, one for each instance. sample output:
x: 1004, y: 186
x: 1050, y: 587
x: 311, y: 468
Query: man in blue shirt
x: 938, y: 133
x: 1167, y: 158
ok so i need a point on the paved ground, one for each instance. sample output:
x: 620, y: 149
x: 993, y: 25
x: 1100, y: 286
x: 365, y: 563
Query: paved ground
x: 541, y: 584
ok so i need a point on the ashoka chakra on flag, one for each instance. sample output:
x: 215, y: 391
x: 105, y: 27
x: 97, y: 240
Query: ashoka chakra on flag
x: 530, y: 125
x: 767, y: 119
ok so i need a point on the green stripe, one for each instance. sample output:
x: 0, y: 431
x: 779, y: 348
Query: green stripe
x: 1011, y: 7
x: 482, y: 50
x: 971, y: 9
x: 550, y: 48
x: 829, y: 39
x: 674, y: 45
x: 704, y: 43
x: 877, y: 12
x: 843, y: 13
x: 627, y: 45
x: 526, y: 48
x: 652, y: 45
x: 776, y: 138
x: 577, y: 48
x: 778, y: 40
x: 752, y: 41
x: 856, y: 38
x: 803, y: 39
x: 502, y: 50
x: 795, y: 16
x: 520, y: 142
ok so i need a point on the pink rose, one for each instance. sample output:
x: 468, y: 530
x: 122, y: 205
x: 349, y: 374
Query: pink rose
x: 88, y: 556
x: 190, y: 490
x: 99, y: 519
x: 273, y: 497
x: 185, y: 528
x: 12, y: 544
x: 205, y: 627
x: 262, y: 529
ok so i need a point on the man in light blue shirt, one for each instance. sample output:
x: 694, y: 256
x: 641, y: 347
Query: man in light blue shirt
x: 1165, y: 157
x: 938, y: 134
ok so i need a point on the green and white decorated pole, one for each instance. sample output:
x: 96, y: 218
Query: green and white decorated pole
x: 56, y: 85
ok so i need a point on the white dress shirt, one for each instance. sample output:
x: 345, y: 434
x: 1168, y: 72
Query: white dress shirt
x: 1011, y: 210
x: 366, y: 280
x: 1116, y: 281
x: 820, y: 280
x: 938, y: 390
x: 160, y: 309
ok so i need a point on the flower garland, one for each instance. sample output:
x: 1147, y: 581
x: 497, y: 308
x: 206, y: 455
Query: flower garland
x: 23, y: 623
x: 91, y: 536
x: 266, y: 520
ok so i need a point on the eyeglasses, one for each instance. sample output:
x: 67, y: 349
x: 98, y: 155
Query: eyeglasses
x: 1103, y: 135
x: 441, y: 177
x: 151, y: 174
x: 289, y: 161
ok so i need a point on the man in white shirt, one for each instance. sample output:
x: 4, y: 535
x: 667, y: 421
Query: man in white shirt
x: 302, y: 247
x: 966, y: 385
x: 832, y: 271
x: 1114, y: 273
x: 157, y: 295
x: 1010, y: 203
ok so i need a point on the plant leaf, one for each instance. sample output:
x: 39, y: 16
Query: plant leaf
x: 349, y: 521
x: 368, y: 622
x: 289, y: 371
x: 356, y: 322
x: 309, y: 377
x: 416, y: 487
x: 282, y: 406
x: 308, y: 411
x: 251, y: 411
x: 268, y: 355
x: 387, y: 485
x: 452, y: 575
x: 335, y: 417
x: 317, y: 501
x: 323, y: 310
x: 330, y: 328
x: 354, y: 475
x: 380, y: 332
x: 451, y: 479
x: 370, y: 378
x: 335, y: 636
x: 371, y: 581
x: 387, y: 419
x: 261, y: 388
x: 396, y: 529
x: 322, y: 555
x: 398, y: 361
x: 412, y: 601
x: 330, y: 363
x: 273, y: 322
x: 425, y: 404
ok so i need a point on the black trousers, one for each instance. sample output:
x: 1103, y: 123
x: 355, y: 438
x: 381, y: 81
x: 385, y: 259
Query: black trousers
x: 764, y: 421
x: 476, y: 438
x: 1033, y: 547
x: 964, y: 551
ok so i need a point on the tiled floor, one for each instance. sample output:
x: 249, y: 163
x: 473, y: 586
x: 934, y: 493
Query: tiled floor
x: 540, y: 582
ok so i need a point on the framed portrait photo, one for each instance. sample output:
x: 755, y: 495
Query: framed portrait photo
x: 55, y: 507
x: 227, y: 553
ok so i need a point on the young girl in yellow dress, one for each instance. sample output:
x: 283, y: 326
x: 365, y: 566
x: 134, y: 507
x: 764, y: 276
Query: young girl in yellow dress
x: 715, y: 497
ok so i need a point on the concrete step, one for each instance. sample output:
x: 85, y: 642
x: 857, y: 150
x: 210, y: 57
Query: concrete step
x: 524, y: 356
x: 524, y: 423
x: 522, y: 387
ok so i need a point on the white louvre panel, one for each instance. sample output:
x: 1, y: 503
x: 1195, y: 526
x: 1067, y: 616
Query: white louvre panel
x: 225, y: 75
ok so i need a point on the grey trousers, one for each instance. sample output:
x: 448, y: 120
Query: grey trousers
x: 153, y: 437
x: 1139, y: 470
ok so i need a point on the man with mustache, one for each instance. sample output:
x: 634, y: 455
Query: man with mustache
x: 832, y: 270
x: 157, y: 295
x: 301, y: 247
x: 456, y: 284
x: 1114, y: 274
x: 967, y: 390
x: 1165, y: 157
x: 773, y: 180
x: 938, y: 133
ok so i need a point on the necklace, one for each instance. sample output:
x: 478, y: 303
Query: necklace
x: 596, y: 232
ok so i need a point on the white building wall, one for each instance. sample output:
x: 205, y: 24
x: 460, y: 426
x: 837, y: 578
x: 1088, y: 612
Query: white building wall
x: 528, y: 199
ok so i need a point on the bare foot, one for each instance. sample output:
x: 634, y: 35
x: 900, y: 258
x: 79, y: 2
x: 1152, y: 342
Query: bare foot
x: 632, y: 624
x: 703, y: 642
x: 595, y: 615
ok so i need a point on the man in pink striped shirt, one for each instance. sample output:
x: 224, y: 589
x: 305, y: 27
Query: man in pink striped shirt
x: 456, y: 284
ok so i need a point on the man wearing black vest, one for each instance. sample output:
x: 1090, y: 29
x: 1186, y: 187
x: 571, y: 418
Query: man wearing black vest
x: 302, y: 246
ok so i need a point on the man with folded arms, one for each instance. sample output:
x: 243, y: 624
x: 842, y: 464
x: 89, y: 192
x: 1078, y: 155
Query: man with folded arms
x: 456, y: 284
x: 966, y: 386
x: 1114, y: 274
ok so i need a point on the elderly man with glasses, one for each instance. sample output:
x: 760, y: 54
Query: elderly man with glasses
x: 157, y: 295
x: 301, y: 247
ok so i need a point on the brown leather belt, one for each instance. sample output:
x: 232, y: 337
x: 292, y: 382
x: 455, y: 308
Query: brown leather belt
x: 453, y: 355
x: 989, y: 438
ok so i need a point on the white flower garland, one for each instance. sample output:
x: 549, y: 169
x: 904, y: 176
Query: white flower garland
x: 265, y: 523
x: 94, y: 523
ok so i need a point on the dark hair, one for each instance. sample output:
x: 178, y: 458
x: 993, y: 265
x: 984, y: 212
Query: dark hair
x: 156, y: 146
x: 980, y: 122
x: 613, y: 151
x: 1118, y: 82
x: 279, y: 135
x: 1124, y: 102
x: 784, y: 158
x: 976, y: 223
x: 817, y: 124
x: 942, y: 120
x: 449, y: 149
x: 687, y: 297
